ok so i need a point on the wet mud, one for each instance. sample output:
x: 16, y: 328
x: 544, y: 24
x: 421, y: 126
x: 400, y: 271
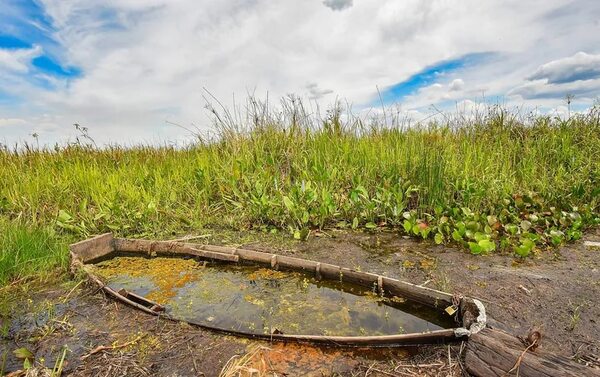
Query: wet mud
x: 555, y: 291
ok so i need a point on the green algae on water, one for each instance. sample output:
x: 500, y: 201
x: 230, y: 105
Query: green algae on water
x: 261, y: 300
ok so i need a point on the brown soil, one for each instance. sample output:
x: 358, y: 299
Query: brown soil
x: 556, y: 292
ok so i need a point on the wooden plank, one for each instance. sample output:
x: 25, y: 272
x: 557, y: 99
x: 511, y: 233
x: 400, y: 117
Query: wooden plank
x: 432, y: 337
x: 218, y: 249
x: 364, y: 279
x: 423, y: 295
x: 93, y: 249
x: 212, y: 255
x: 169, y: 248
x: 330, y: 271
x: 493, y: 353
x: 296, y: 263
x: 254, y: 256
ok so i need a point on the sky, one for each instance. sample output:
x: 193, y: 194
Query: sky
x: 128, y: 69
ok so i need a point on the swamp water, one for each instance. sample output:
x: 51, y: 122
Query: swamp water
x: 261, y: 300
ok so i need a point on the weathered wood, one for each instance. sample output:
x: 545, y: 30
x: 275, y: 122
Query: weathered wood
x: 154, y: 306
x: 432, y: 337
x: 296, y: 263
x: 218, y: 249
x: 168, y: 248
x: 493, y: 353
x: 94, y: 248
x: 254, y: 256
x: 107, y: 245
x: 330, y: 271
x: 213, y: 255
x: 423, y: 295
x: 366, y: 279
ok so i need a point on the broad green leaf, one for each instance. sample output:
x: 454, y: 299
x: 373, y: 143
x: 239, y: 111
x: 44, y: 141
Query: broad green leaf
x: 439, y: 238
x: 522, y: 251
x: 473, y: 226
x: 456, y: 236
x: 475, y: 248
x: 461, y: 228
x: 466, y: 211
x: 370, y: 225
x: 23, y: 353
x: 487, y: 245
x: 480, y: 236
x: 407, y: 226
x: 511, y: 228
x: 525, y: 225
x: 64, y: 217
x: 288, y: 203
x: 416, y: 229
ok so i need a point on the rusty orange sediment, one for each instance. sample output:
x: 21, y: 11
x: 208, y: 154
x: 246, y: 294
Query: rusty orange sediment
x: 469, y: 313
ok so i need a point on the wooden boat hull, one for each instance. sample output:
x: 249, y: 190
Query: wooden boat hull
x: 470, y: 312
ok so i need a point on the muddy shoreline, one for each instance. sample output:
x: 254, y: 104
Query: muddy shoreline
x: 555, y: 292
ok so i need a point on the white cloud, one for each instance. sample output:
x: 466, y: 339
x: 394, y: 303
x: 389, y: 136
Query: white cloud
x: 588, y: 89
x: 9, y: 122
x: 470, y: 108
x: 17, y: 60
x: 577, y: 75
x: 580, y: 66
x: 145, y: 62
x: 456, y: 85
x: 338, y: 4
x: 315, y: 92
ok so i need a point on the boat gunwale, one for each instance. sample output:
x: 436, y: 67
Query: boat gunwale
x: 105, y: 246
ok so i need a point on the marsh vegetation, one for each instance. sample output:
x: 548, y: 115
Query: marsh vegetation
x: 497, y: 181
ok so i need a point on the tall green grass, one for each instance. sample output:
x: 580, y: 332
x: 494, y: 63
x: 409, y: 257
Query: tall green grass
x: 289, y: 170
x: 28, y: 250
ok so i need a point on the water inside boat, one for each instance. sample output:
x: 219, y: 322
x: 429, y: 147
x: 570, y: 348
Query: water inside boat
x: 261, y: 300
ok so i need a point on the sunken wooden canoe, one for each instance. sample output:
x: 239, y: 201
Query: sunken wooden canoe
x: 471, y: 316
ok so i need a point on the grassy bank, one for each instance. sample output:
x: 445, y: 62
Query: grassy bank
x: 27, y: 250
x: 490, y: 182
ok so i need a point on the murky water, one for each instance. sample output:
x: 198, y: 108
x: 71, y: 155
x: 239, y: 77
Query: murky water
x: 260, y: 300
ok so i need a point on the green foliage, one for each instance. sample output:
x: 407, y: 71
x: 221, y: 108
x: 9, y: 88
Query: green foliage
x: 26, y: 251
x: 492, y: 182
x: 25, y: 355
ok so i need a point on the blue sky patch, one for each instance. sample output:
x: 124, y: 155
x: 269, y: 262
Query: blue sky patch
x: 10, y: 42
x: 25, y: 24
x: 430, y: 75
x: 49, y: 66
